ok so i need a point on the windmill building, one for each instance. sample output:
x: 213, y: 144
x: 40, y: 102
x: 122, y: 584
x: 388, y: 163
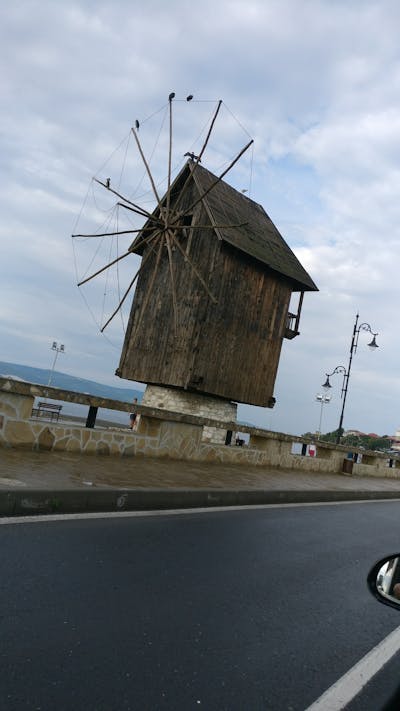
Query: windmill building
x: 212, y: 302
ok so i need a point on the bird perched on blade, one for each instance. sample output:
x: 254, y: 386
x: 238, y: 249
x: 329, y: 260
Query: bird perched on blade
x: 171, y: 96
x: 107, y: 182
x: 137, y: 124
x: 192, y: 156
x: 189, y: 98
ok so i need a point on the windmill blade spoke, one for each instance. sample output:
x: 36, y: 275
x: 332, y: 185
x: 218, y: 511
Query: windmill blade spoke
x: 110, y: 264
x: 201, y: 197
x: 171, y: 271
x: 169, y: 168
x: 209, y: 132
x: 147, y: 240
x: 148, y: 170
x: 120, y: 232
x: 198, y: 159
x: 195, y: 271
x: 126, y: 293
x: 147, y: 214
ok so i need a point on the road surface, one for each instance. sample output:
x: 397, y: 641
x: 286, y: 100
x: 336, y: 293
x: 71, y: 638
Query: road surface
x: 252, y: 609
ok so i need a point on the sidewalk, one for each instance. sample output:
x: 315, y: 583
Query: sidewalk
x: 50, y: 482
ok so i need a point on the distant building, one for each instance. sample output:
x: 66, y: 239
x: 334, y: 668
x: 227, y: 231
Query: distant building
x: 396, y: 440
x: 356, y: 433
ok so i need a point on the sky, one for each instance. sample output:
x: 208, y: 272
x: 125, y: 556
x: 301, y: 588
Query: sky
x: 315, y: 83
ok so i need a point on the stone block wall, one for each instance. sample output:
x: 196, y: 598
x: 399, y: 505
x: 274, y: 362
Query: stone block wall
x: 189, y: 403
x: 173, y: 435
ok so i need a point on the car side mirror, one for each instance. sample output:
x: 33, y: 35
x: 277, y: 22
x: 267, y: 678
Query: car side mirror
x: 384, y: 580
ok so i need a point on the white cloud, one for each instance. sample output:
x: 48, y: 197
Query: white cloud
x: 315, y: 83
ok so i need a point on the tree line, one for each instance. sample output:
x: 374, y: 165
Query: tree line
x: 362, y: 441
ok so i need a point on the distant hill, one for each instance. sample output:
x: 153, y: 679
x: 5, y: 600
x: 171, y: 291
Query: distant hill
x: 41, y: 376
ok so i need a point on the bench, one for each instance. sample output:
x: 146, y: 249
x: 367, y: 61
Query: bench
x: 47, y: 409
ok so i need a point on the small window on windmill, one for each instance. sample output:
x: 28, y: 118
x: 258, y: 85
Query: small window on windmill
x: 185, y: 234
x: 185, y: 224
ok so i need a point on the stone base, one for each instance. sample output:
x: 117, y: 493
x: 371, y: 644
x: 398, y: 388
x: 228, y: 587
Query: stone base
x: 177, y: 400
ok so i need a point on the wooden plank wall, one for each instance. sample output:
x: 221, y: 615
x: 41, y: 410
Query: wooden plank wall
x: 230, y: 349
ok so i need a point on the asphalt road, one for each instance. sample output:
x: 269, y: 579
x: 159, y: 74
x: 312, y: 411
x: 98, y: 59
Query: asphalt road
x: 254, y: 609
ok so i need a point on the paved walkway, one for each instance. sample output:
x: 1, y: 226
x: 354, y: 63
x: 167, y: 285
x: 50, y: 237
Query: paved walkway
x: 50, y: 470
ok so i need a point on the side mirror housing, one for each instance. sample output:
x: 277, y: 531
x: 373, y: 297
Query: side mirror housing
x: 384, y: 580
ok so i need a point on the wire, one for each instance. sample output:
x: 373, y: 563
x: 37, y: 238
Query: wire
x: 96, y: 322
x: 81, y: 210
x: 112, y: 154
x: 237, y: 120
x: 124, y: 161
x: 118, y: 277
x: 153, y: 151
x: 100, y: 209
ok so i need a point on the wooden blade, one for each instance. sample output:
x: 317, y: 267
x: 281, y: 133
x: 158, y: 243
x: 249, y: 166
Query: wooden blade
x: 150, y: 288
x: 171, y: 271
x: 126, y: 292
x: 145, y: 213
x: 200, y: 154
x: 209, y: 132
x: 120, y: 232
x: 104, y: 268
x: 148, y: 171
x: 154, y: 219
x: 200, y: 198
x: 110, y: 264
x: 169, y: 169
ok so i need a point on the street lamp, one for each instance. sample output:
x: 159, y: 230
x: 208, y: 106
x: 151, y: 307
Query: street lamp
x: 324, y: 400
x: 346, y: 373
x: 57, y: 349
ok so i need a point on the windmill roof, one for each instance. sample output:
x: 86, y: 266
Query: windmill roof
x: 253, y: 233
x: 242, y: 223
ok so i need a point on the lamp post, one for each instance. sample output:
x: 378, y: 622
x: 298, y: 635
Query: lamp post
x: 346, y: 373
x: 324, y: 400
x: 57, y: 349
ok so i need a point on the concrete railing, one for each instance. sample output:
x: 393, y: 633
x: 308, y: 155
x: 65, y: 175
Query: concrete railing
x: 173, y: 435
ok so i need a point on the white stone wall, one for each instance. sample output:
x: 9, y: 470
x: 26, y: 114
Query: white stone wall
x: 189, y: 403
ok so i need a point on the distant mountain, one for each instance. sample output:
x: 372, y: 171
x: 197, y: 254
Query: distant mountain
x: 41, y: 376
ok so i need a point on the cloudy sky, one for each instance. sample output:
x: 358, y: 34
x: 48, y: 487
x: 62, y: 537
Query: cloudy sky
x: 316, y: 83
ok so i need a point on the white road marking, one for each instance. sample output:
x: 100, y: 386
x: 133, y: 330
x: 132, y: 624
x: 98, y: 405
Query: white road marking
x: 351, y: 683
x: 40, y: 518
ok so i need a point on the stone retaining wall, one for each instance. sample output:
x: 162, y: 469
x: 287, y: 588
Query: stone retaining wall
x: 173, y: 435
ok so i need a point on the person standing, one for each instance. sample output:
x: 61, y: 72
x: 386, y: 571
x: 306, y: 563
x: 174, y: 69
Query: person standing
x: 133, y: 415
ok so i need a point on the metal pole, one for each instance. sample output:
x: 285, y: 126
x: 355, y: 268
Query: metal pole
x: 320, y: 417
x: 353, y: 348
x: 52, y: 368
x: 324, y: 400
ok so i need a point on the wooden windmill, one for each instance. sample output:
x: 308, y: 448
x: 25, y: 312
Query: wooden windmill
x: 211, y: 305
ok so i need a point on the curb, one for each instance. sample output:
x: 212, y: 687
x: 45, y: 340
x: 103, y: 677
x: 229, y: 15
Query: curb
x: 45, y: 501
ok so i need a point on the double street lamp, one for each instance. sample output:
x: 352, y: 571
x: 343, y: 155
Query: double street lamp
x: 323, y: 400
x: 58, y: 349
x: 346, y: 373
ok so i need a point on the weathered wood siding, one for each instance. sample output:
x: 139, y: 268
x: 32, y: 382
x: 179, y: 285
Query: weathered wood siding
x: 230, y: 349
